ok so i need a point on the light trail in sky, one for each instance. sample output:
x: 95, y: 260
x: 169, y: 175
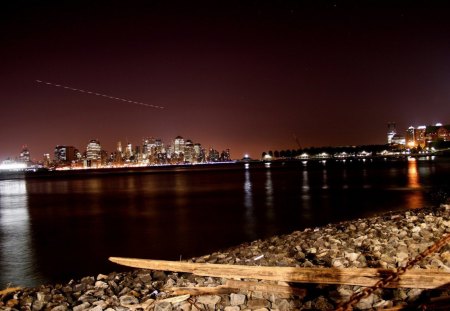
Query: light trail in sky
x: 99, y: 94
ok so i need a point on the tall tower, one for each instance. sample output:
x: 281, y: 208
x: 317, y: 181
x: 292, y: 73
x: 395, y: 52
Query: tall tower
x: 93, y: 150
x: 178, y: 145
x: 24, y: 155
x: 391, y: 132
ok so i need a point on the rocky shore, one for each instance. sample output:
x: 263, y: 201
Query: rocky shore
x: 385, y: 241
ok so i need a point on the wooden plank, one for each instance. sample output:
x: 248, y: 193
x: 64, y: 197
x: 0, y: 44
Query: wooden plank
x: 196, y: 291
x: 234, y: 286
x: 267, y: 288
x: 9, y: 290
x: 417, y: 278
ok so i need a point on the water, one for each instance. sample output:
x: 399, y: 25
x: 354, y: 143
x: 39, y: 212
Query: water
x: 53, y: 229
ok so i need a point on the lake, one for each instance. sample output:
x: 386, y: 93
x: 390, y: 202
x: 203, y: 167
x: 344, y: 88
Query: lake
x: 62, y: 226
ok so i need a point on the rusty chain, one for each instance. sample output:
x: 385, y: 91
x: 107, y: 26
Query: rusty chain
x: 382, y: 283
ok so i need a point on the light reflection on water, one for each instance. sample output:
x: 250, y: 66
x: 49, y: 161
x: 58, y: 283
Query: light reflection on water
x: 47, y: 225
x: 16, y: 252
x: 415, y: 199
x: 248, y: 204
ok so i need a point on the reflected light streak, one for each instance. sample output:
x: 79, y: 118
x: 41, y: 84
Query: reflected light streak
x: 269, y: 195
x: 15, y: 234
x: 415, y: 199
x: 324, y: 179
x: 413, y: 175
x: 248, y: 204
x: 306, y: 197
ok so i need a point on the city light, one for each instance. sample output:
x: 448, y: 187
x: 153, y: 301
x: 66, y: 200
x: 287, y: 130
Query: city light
x: 12, y: 166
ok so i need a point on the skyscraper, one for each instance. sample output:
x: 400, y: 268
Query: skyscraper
x: 391, y: 132
x: 178, y: 145
x: 24, y: 155
x: 94, y: 150
x: 410, y: 137
x: 64, y: 154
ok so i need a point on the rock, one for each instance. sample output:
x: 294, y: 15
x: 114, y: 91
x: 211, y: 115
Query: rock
x: 257, y: 303
x: 386, y: 241
x: 83, y: 306
x: 159, y: 276
x: 163, y: 306
x: 101, y: 284
x: 102, y: 277
x: 145, y: 277
x: 44, y: 297
x: 37, y: 305
x: 127, y: 300
x: 321, y: 303
x: 12, y: 303
x: 337, y: 263
x: 282, y: 305
x: 79, y: 287
x: 351, y: 256
x: 365, y: 303
x: 237, y: 299
x: 209, y: 299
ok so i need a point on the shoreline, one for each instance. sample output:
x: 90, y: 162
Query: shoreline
x: 383, y: 241
x: 234, y: 164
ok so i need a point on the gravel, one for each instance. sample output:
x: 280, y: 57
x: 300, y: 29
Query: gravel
x: 385, y: 241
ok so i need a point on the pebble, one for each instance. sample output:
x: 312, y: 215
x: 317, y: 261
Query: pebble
x: 387, y: 241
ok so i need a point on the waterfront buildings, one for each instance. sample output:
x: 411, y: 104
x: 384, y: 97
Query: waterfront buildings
x: 421, y: 136
x: 391, y: 132
x: 24, y: 156
x: 64, y: 155
x: 152, y: 151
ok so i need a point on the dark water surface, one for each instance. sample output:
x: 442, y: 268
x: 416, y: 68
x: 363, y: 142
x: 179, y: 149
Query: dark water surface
x: 53, y: 229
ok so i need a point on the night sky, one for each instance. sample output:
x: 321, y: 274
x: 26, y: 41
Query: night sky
x: 244, y: 75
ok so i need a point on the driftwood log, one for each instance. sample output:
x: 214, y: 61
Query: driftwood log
x: 233, y: 286
x: 415, y: 278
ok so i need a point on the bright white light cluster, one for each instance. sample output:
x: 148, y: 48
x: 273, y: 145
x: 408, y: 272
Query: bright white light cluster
x: 12, y: 166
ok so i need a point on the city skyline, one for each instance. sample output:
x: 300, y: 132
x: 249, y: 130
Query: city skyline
x: 246, y: 76
x: 414, y: 136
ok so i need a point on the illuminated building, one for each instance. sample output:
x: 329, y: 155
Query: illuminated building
x: 178, y: 145
x: 148, y: 147
x: 64, y: 154
x: 419, y: 135
x: 225, y: 155
x: 158, y: 147
x: 189, y: 151
x: 437, y: 132
x: 391, y: 132
x: 423, y: 136
x: 137, y: 156
x: 94, y: 150
x: 398, y: 140
x: 410, y: 137
x: 24, y: 155
x: 128, y: 152
x: 199, y: 153
x: 213, y: 155
x: 46, y: 160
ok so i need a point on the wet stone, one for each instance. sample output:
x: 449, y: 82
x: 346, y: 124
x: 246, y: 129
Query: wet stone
x: 128, y: 300
x: 387, y: 241
x: 255, y: 303
x: 163, y: 306
x: 81, y: 307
